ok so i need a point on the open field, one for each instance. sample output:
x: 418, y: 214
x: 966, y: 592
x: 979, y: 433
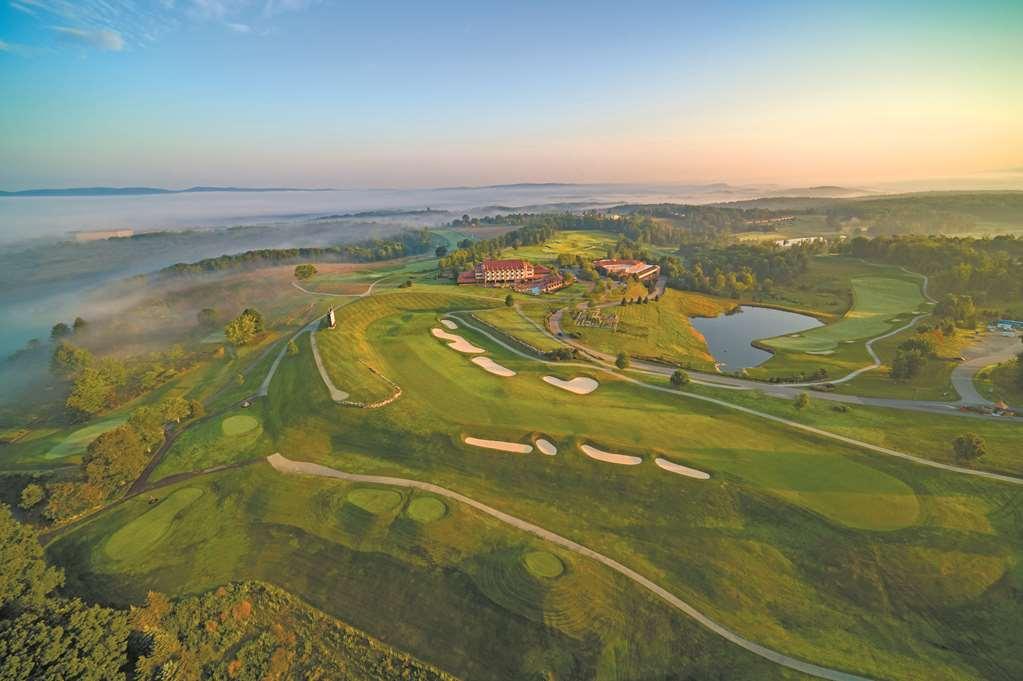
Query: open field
x: 656, y: 330
x: 908, y: 568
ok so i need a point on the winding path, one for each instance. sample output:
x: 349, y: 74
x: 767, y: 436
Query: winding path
x: 284, y: 465
x: 790, y: 390
x: 603, y: 366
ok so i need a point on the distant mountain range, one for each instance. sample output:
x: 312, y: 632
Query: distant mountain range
x: 143, y: 191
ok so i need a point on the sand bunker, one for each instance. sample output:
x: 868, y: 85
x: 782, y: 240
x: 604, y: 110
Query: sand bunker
x: 449, y: 323
x: 492, y: 366
x: 601, y: 455
x: 580, y: 385
x: 456, y: 342
x: 820, y: 352
x: 546, y: 447
x: 513, y: 447
x: 681, y: 470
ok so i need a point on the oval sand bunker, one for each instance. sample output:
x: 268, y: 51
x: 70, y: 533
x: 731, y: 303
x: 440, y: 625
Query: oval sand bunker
x: 681, y: 470
x: 492, y: 366
x: 456, y: 342
x: 546, y: 447
x: 580, y: 385
x: 608, y: 457
x: 500, y: 445
x: 449, y: 323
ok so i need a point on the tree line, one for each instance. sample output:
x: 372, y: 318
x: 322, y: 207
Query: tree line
x: 986, y: 269
x: 409, y: 242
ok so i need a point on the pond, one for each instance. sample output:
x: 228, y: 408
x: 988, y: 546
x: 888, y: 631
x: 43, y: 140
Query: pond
x: 729, y: 337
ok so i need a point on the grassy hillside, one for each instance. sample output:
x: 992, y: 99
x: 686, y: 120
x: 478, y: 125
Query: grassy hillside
x: 826, y: 552
x: 660, y: 330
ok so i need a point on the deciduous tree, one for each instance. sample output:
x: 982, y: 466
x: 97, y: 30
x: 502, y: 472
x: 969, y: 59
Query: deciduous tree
x: 969, y: 446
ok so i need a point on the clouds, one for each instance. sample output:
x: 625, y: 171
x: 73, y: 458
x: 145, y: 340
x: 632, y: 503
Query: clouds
x: 105, y: 39
x: 124, y: 25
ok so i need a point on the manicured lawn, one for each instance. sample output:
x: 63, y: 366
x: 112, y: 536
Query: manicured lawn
x: 591, y: 245
x: 77, y: 441
x: 510, y: 322
x: 134, y: 539
x: 239, y: 424
x: 655, y: 330
x: 455, y: 592
x: 426, y: 509
x: 351, y: 357
x: 880, y: 304
x: 934, y: 381
x: 823, y: 551
x: 544, y: 564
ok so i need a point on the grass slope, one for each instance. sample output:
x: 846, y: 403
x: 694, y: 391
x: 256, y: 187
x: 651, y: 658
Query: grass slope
x: 880, y: 303
x: 657, y: 330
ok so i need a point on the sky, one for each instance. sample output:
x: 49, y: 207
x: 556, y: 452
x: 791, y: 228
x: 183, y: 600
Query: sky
x: 337, y: 93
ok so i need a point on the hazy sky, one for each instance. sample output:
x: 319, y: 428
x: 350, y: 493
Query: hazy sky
x: 342, y: 93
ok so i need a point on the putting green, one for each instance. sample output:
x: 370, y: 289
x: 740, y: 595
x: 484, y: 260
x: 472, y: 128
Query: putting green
x: 374, y: 500
x: 134, y: 540
x: 876, y: 301
x: 426, y: 509
x: 239, y: 424
x: 543, y: 564
x: 76, y: 442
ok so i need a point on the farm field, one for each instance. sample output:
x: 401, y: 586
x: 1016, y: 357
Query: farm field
x: 657, y: 330
x: 893, y: 543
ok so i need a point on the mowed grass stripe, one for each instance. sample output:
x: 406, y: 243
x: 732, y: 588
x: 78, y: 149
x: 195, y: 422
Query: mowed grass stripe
x: 138, y: 536
x: 877, y: 301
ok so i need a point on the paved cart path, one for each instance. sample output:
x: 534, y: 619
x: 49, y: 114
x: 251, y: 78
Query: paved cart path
x: 286, y: 465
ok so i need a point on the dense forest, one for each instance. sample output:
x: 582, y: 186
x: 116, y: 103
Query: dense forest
x: 409, y: 242
x: 929, y: 213
x: 735, y: 270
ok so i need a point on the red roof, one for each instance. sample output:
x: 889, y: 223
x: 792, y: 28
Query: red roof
x: 467, y: 277
x: 504, y: 264
x: 615, y: 261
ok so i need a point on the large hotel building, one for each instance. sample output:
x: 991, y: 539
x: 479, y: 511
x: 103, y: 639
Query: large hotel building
x: 520, y: 275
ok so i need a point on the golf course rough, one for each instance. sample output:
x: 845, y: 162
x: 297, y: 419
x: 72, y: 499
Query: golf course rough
x: 134, y: 540
x: 426, y: 509
x: 543, y: 564
x: 239, y: 424
x: 373, y: 500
